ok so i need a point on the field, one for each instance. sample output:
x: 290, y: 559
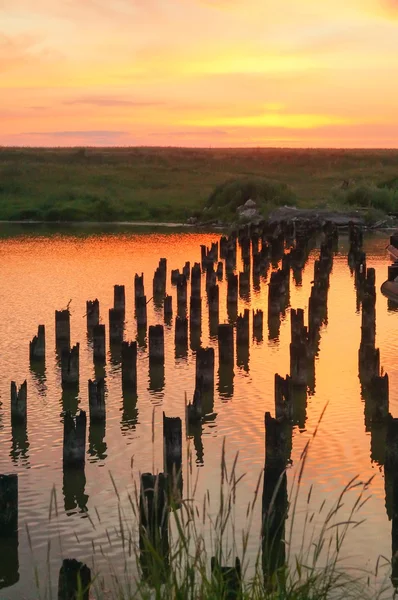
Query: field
x: 171, y: 184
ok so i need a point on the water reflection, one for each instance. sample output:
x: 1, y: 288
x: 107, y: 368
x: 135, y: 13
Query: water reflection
x: 330, y: 320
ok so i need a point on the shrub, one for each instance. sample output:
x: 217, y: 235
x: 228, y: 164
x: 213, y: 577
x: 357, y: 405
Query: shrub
x: 373, y: 197
x: 235, y: 192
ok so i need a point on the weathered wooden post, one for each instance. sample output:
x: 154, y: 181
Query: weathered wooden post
x: 298, y: 330
x: 182, y: 297
x: 141, y: 312
x: 211, y: 278
x: 275, y: 498
x: 196, y: 281
x: 379, y: 399
x: 62, y: 328
x: 220, y: 271
x: 74, y: 440
x: 154, y: 527
x: 205, y: 368
x: 9, y: 563
x: 156, y: 357
x: 195, y: 322
x: 37, y: 347
x: 226, y: 359
x: 19, y: 399
x: 119, y: 298
x: 369, y: 363
x: 74, y: 580
x: 96, y: 444
x: 299, y: 362
x: 213, y: 295
x: 242, y: 340
x: 138, y: 286
x: 172, y: 452
x: 156, y: 344
x: 258, y: 318
x: 129, y: 365
x: 92, y: 314
x: 186, y: 270
x: 283, y: 398
x: 228, y: 580
x: 244, y: 283
x: 96, y: 399
x: 116, y: 326
x: 175, y: 273
x: 226, y: 344
x: 391, y: 486
x: 168, y: 309
x: 70, y: 366
x: 99, y: 347
x: 232, y: 297
x: 181, y: 337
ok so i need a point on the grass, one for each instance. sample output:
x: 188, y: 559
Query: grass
x: 171, y: 184
x: 309, y: 567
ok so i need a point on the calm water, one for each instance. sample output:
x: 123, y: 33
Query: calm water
x: 41, y: 273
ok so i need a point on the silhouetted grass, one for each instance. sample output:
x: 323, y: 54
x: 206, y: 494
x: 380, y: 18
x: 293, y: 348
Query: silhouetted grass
x: 170, y: 184
x: 310, y: 568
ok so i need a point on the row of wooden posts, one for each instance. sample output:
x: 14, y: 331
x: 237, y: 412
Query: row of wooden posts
x: 290, y: 392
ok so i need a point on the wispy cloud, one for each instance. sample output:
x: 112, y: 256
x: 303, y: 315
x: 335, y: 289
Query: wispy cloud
x: 112, y: 101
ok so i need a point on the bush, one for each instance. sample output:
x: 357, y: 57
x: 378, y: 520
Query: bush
x: 373, y: 197
x: 235, y: 192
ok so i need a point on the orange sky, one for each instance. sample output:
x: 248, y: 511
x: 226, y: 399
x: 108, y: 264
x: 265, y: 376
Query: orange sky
x: 199, y: 72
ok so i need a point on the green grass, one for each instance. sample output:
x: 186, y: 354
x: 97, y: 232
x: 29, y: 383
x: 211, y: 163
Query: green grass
x: 312, y: 566
x: 171, y: 184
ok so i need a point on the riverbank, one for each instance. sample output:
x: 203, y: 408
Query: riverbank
x: 172, y: 185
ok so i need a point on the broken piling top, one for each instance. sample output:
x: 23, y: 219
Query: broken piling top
x: 139, y: 286
x: 141, y: 311
x: 196, y: 281
x: 278, y: 442
x: 8, y: 505
x: 283, y: 397
x: 299, y: 363
x: 298, y: 330
x: 205, y: 368
x: 119, y: 298
x: 74, y: 447
x: 74, y: 580
x: 379, y: 396
x: 62, y: 327
x: 70, y: 365
x: 19, y: 403
x: 92, y: 313
x: 172, y: 443
x: 96, y: 399
x: 156, y: 343
x: 37, y: 347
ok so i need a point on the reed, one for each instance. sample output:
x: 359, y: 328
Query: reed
x: 205, y: 531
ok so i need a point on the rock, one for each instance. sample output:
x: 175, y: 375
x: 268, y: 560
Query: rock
x: 250, y: 204
x: 192, y: 220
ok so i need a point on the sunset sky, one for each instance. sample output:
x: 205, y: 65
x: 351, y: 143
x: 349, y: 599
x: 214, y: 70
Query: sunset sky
x: 199, y: 72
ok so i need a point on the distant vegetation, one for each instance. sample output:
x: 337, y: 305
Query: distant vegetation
x: 235, y: 192
x: 172, y: 184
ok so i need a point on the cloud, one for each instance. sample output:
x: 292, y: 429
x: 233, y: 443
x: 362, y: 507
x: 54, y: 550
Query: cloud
x: 81, y: 133
x: 112, y: 101
x: 191, y: 133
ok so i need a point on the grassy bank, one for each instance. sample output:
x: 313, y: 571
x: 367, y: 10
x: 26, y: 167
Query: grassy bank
x: 171, y: 184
